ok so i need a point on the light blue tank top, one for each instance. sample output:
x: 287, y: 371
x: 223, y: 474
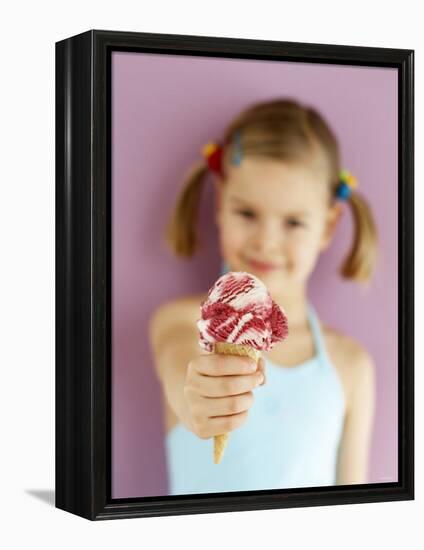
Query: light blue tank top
x: 289, y: 440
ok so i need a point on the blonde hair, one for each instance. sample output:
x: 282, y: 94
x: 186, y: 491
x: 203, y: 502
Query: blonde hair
x: 286, y: 130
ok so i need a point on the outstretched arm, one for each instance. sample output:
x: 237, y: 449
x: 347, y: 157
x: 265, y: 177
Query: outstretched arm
x: 173, y: 339
x: 355, y: 444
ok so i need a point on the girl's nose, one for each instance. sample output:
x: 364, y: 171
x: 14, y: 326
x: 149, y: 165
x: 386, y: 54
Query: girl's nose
x: 268, y: 238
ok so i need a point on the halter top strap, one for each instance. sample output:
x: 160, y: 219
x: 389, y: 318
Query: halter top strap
x: 318, y: 338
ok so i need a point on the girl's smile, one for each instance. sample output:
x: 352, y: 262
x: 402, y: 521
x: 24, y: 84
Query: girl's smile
x: 262, y: 266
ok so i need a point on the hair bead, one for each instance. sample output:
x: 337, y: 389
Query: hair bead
x: 347, y: 183
x: 213, y: 154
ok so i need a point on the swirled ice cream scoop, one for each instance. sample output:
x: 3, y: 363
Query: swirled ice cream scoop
x: 240, y: 310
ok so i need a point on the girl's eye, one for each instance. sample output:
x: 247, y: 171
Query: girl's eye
x: 246, y: 213
x: 295, y: 223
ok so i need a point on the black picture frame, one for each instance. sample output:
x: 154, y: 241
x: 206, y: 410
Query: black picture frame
x: 83, y: 274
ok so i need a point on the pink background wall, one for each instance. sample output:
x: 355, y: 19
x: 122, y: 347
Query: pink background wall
x: 164, y: 108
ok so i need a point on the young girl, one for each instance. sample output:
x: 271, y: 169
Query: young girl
x: 279, y: 193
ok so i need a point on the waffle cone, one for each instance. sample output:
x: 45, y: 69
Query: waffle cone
x: 225, y: 348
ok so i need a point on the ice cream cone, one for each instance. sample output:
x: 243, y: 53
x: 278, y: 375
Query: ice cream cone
x: 226, y: 348
x: 239, y: 317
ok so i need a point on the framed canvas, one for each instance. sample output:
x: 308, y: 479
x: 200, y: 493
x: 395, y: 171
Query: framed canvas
x: 140, y: 125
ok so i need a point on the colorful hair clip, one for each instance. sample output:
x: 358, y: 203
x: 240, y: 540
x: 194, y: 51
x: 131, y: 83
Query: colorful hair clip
x: 347, y: 183
x: 237, y: 154
x: 213, y: 154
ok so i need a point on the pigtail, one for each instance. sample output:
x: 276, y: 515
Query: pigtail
x: 361, y: 260
x: 181, y: 231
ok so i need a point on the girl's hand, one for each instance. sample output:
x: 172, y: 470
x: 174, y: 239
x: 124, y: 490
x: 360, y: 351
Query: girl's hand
x: 218, y: 392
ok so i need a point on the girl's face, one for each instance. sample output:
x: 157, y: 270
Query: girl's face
x: 274, y: 220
